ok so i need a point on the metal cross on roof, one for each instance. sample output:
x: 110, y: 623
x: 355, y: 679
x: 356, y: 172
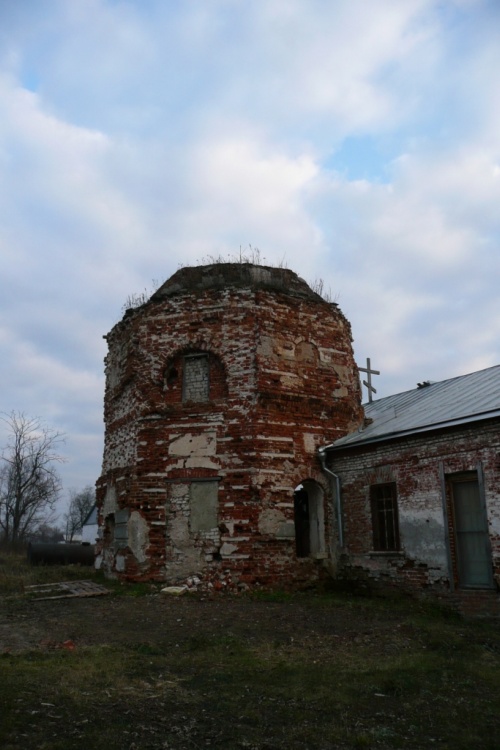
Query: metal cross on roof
x: 368, y: 383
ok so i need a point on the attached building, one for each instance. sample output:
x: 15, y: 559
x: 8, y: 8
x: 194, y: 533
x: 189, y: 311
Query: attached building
x: 420, y: 490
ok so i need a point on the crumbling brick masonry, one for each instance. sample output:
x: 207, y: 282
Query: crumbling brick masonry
x: 218, y: 392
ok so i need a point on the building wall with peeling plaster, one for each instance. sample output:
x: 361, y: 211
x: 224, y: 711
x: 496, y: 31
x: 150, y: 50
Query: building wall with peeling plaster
x: 206, y: 486
x: 418, y: 465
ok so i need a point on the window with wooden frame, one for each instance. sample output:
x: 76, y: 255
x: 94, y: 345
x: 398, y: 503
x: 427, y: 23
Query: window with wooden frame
x: 384, y: 507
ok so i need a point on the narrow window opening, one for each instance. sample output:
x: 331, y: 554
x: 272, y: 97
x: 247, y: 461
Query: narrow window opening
x: 172, y: 377
x: 120, y: 529
x: 384, y: 507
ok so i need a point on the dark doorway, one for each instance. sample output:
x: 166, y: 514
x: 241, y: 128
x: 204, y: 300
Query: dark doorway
x: 302, y: 523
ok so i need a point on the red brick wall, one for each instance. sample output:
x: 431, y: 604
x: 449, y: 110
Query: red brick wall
x: 282, y: 382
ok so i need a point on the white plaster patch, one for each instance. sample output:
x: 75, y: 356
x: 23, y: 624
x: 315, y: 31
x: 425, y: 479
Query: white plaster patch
x: 265, y: 348
x: 325, y: 355
x: 309, y: 442
x: 344, y: 373
x: 204, y: 444
x: 422, y: 538
x: 306, y: 351
x: 138, y: 536
x: 340, y: 392
x: 286, y: 351
x: 179, y: 490
x: 289, y: 379
x: 194, y: 462
x: 179, y: 532
x: 227, y: 549
x: 270, y: 521
x: 493, y: 520
x: 286, y: 530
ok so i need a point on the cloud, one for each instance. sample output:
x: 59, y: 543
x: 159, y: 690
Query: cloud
x: 135, y: 137
x: 417, y: 259
x: 125, y: 67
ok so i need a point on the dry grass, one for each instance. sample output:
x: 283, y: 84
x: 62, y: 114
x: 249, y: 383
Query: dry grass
x: 16, y: 573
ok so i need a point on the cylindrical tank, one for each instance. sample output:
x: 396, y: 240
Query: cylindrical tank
x: 60, y: 554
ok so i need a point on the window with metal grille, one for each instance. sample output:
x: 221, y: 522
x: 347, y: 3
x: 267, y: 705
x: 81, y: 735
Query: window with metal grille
x: 384, y: 504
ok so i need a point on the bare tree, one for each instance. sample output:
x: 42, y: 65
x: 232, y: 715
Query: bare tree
x: 29, y: 482
x: 80, y: 504
x: 46, y: 533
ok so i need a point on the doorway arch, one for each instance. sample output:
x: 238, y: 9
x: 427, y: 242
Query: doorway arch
x: 309, y: 516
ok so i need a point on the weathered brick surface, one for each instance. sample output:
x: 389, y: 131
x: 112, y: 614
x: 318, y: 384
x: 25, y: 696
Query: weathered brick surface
x: 281, y: 381
x: 413, y: 463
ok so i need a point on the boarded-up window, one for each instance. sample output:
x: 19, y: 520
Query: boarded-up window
x: 384, y: 506
x: 196, y: 378
x: 121, y: 529
x: 204, y: 504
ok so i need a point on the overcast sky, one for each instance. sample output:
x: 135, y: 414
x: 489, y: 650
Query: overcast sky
x: 357, y: 141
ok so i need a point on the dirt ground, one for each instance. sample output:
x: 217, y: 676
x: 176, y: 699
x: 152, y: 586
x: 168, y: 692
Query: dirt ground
x: 168, y: 621
x: 301, y: 672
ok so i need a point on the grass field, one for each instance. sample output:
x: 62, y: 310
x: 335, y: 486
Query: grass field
x: 306, y: 671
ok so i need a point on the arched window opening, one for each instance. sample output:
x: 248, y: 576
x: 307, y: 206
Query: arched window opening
x: 194, y: 377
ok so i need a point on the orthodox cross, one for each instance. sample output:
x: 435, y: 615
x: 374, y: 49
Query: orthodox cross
x: 368, y: 382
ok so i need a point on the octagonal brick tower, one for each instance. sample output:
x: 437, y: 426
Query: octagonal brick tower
x: 218, y: 392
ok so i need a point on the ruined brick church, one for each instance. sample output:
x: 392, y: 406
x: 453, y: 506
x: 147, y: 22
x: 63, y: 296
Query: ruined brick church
x: 219, y: 391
